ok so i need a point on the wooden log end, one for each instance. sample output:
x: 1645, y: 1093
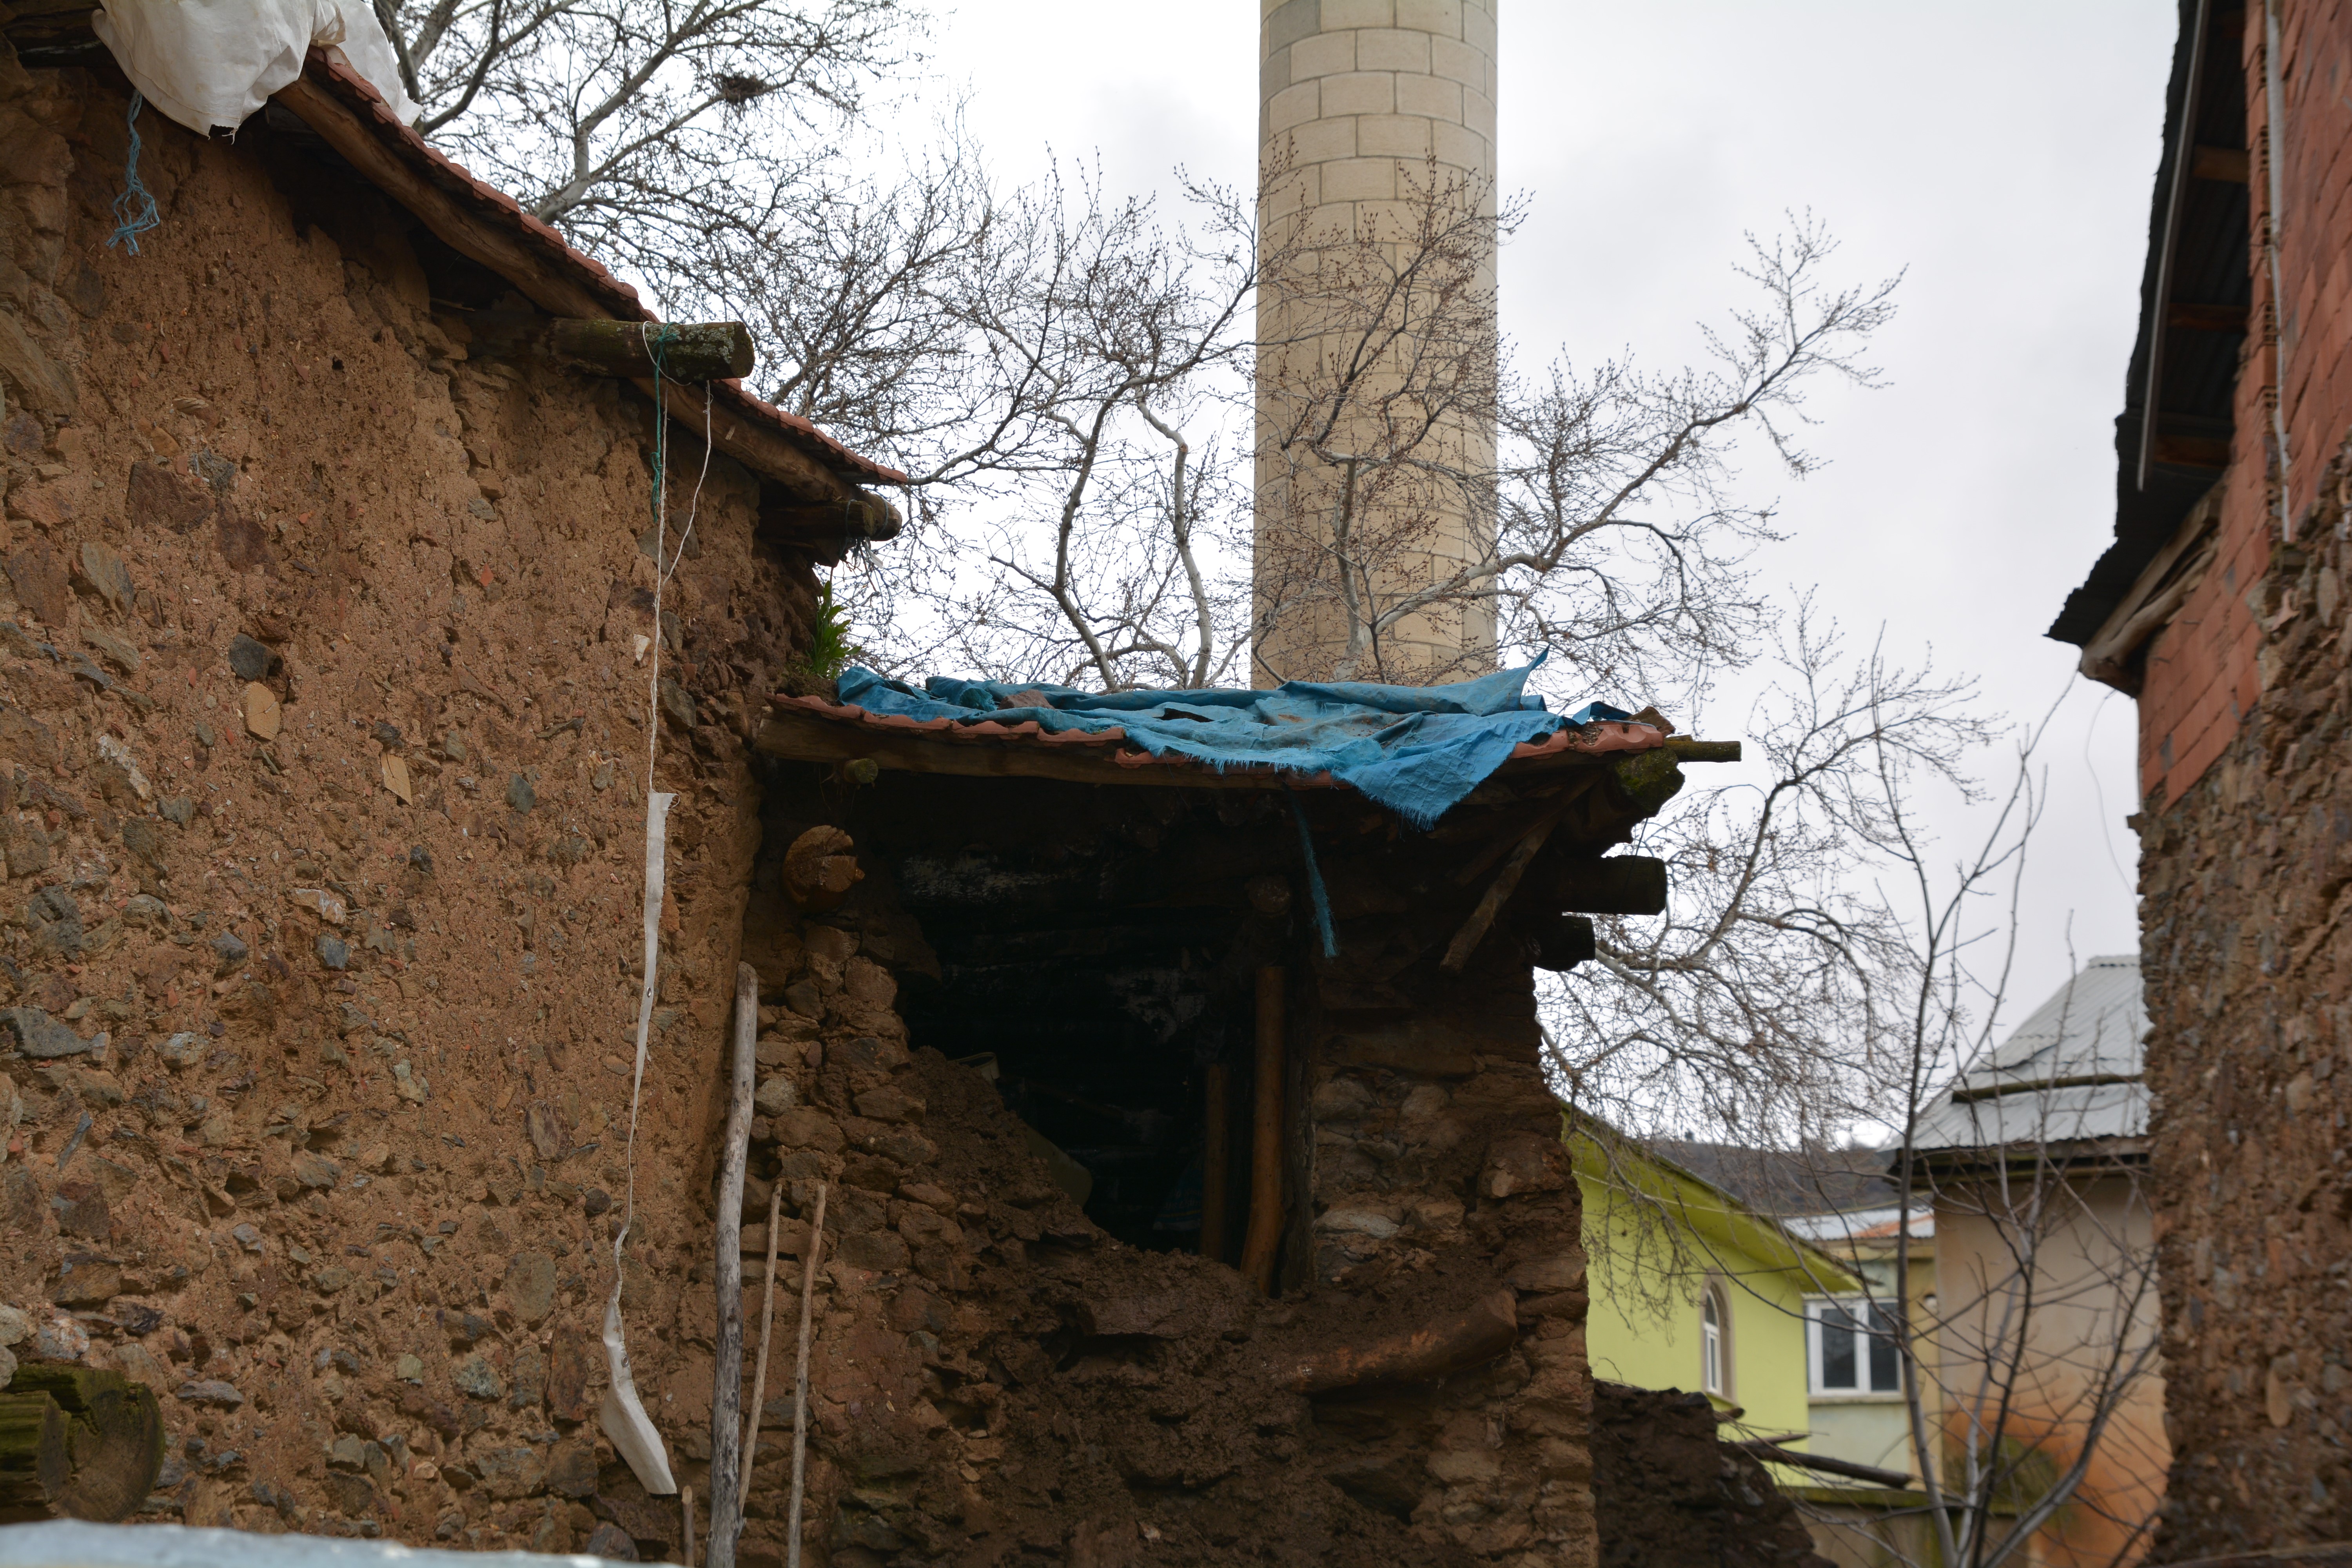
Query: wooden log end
x: 78, y: 1443
x: 682, y: 351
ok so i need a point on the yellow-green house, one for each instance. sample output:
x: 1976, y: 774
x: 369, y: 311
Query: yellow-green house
x: 1691, y: 1290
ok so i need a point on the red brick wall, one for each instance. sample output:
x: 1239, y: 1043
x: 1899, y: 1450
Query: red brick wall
x: 2246, y: 856
x: 2203, y: 674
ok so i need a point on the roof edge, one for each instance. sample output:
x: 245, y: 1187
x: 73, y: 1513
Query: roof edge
x: 487, y: 226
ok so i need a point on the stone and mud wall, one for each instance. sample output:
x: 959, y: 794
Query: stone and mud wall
x: 2245, y: 881
x: 322, y: 746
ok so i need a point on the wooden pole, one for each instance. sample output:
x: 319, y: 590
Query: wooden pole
x: 689, y: 351
x: 760, y: 1377
x: 686, y: 1505
x: 1216, y: 1156
x: 1474, y: 930
x: 727, y: 1373
x: 1265, y: 1237
x: 800, y: 1381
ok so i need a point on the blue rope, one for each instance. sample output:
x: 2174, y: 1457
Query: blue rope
x: 657, y: 344
x: 134, y: 209
x: 1322, y: 901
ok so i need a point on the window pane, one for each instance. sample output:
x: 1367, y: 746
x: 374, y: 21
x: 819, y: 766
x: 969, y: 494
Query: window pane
x: 1885, y: 1374
x: 1838, y: 1362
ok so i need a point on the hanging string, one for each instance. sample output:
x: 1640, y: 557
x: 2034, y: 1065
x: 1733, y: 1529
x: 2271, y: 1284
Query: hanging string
x: 134, y: 209
x: 626, y: 1421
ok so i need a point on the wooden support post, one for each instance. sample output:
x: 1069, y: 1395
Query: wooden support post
x: 77, y: 1443
x: 1216, y: 1157
x: 689, y: 351
x: 760, y: 1369
x: 809, y: 1259
x: 726, y: 1276
x: 1265, y: 1235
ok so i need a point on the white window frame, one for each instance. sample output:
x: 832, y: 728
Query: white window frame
x: 1858, y: 1310
x: 1715, y: 1341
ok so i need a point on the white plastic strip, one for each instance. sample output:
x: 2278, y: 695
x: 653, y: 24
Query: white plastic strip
x: 72, y: 1543
x: 622, y: 1415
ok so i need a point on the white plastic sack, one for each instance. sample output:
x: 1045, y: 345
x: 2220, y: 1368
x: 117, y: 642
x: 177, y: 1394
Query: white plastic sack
x: 215, y: 62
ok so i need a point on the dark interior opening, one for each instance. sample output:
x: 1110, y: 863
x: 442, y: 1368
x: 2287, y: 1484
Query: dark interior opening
x: 1091, y: 950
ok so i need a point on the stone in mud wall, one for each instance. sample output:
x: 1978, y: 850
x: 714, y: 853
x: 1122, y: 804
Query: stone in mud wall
x: 278, y: 1010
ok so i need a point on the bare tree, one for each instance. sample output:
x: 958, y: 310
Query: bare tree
x: 1594, y: 524
x: 640, y: 127
x: 1826, y: 962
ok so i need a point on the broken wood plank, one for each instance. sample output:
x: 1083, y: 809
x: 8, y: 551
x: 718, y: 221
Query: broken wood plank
x: 759, y: 1368
x: 685, y: 351
x: 1489, y: 1327
x: 1498, y: 891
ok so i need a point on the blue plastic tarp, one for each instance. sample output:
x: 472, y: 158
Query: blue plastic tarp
x: 1417, y: 750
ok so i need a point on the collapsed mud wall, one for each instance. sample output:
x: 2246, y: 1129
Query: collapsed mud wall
x: 995, y: 1378
x: 1672, y: 1494
x: 322, y: 751
x: 997, y: 1375
x: 2243, y: 885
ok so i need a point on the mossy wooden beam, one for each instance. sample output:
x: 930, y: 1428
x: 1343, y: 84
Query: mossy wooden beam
x: 684, y: 350
x: 858, y: 515
x: 77, y: 1443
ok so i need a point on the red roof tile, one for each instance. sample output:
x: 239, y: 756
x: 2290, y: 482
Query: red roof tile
x: 1594, y: 739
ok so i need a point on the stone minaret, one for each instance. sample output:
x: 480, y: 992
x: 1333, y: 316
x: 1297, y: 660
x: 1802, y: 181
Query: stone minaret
x: 1356, y: 98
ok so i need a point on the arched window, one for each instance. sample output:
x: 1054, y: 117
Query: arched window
x: 1715, y: 1361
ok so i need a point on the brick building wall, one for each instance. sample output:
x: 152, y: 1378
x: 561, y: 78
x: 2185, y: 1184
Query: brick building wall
x: 2246, y: 838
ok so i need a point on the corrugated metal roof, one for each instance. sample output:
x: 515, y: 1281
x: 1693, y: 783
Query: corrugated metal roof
x: 1861, y: 1225
x: 2070, y: 1071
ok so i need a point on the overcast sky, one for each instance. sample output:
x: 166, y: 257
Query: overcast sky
x: 2001, y: 154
